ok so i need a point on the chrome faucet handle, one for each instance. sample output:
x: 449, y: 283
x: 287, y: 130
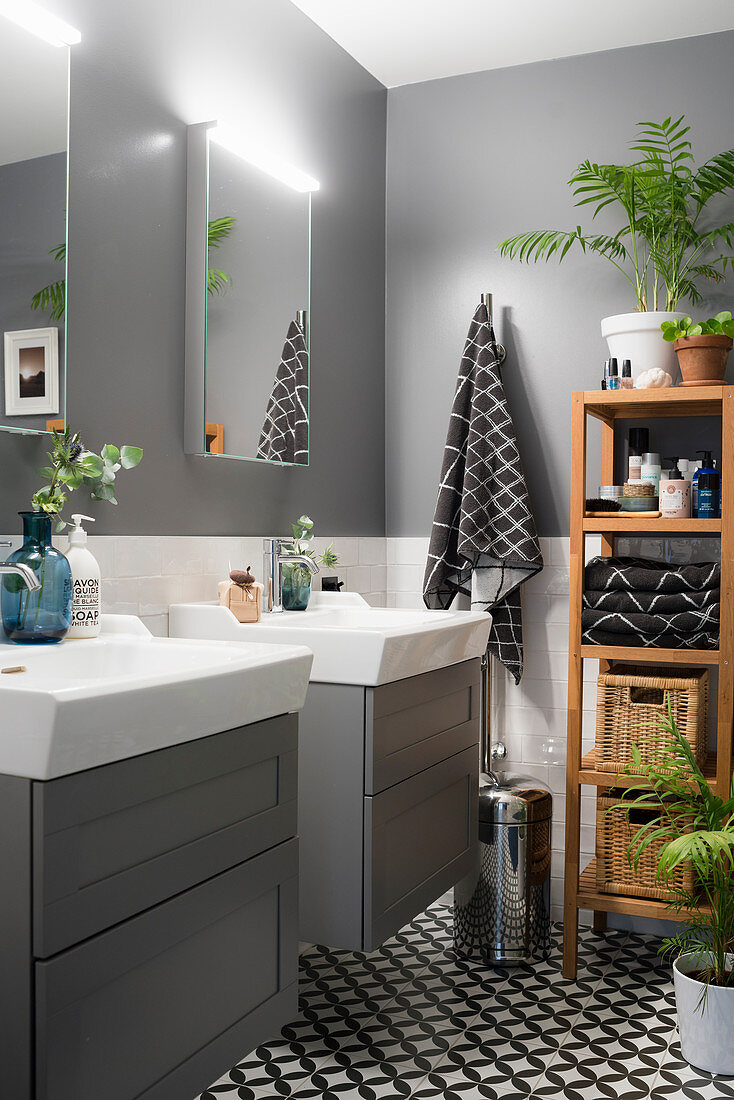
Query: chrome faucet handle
x: 499, y: 751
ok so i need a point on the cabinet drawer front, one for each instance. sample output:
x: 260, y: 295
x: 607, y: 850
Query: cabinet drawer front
x: 130, y: 1012
x: 420, y: 839
x: 111, y: 842
x: 415, y: 723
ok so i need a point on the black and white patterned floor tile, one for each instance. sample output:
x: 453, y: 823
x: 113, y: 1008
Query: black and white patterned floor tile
x: 414, y: 1020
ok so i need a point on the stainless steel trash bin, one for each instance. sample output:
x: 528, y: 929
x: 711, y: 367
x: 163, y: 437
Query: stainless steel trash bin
x: 502, y: 910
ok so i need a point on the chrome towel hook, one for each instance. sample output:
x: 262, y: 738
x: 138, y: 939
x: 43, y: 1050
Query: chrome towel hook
x: 486, y: 300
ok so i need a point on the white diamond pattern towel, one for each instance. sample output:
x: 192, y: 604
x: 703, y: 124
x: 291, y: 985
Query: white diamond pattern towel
x: 483, y: 542
x: 284, y: 434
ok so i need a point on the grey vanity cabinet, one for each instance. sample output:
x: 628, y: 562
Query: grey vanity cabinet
x: 150, y: 938
x: 388, y: 782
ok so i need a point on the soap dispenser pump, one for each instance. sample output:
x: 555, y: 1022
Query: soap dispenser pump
x: 85, y: 583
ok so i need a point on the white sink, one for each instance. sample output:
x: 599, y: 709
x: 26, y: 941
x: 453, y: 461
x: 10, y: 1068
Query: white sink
x: 352, y: 643
x: 84, y: 703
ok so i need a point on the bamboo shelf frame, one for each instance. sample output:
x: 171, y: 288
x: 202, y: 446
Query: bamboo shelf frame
x: 580, y: 890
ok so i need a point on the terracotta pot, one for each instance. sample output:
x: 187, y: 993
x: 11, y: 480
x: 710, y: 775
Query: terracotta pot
x: 702, y: 359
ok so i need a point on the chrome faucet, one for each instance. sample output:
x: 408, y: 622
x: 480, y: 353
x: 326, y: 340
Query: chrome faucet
x: 18, y: 569
x: 273, y: 560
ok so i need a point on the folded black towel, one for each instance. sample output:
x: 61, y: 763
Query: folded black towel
x: 672, y: 627
x: 643, y: 575
x: 704, y: 639
x: 651, y: 602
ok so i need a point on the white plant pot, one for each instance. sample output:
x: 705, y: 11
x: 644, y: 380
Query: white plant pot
x: 706, y: 1037
x: 637, y: 337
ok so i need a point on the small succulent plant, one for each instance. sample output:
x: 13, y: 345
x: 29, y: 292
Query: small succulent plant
x: 720, y: 325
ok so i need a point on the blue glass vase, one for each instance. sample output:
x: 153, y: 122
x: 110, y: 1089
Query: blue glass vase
x: 296, y: 588
x: 43, y: 616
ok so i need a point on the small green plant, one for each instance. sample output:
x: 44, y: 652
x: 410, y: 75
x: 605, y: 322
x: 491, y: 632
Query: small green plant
x: 696, y: 826
x: 720, y: 325
x: 71, y: 465
x: 53, y: 296
x: 302, y: 536
x: 663, y: 248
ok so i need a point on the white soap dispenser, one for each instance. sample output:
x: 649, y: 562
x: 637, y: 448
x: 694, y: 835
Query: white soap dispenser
x: 85, y: 581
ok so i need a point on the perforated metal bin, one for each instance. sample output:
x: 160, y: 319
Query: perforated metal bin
x: 502, y: 910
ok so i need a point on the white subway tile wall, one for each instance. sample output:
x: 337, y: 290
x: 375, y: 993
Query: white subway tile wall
x: 530, y: 719
x: 142, y: 575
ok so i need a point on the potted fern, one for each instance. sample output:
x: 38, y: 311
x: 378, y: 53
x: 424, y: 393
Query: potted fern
x: 664, y: 246
x: 693, y: 824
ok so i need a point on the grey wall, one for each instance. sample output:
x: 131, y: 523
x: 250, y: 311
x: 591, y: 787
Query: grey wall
x: 142, y: 72
x: 475, y: 159
x: 32, y: 208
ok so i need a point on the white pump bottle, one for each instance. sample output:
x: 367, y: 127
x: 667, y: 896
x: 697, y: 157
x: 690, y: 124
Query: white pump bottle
x: 85, y: 582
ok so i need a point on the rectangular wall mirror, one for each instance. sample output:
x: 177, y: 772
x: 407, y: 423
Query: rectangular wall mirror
x: 34, y: 126
x: 248, y: 262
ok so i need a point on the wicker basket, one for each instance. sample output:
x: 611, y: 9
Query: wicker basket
x: 631, y: 699
x: 615, y: 874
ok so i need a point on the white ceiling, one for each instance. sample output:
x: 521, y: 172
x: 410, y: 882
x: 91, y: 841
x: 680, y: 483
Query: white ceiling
x: 404, y: 41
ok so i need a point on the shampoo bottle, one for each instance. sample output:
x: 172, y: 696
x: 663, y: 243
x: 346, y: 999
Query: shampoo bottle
x: 707, y: 467
x: 85, y: 586
x: 675, y: 495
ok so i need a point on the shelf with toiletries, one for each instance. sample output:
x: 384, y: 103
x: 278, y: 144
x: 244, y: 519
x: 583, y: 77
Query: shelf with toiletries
x: 631, y: 404
x: 679, y: 518
x: 630, y: 524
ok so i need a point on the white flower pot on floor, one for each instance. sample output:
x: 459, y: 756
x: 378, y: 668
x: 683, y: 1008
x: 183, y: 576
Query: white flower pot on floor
x: 637, y: 337
x: 706, y: 1037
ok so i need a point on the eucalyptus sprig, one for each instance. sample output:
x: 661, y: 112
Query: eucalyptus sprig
x: 71, y: 465
x: 302, y: 536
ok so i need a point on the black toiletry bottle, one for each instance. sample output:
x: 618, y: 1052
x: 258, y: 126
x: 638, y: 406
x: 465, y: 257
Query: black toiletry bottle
x: 627, y: 383
x: 638, y: 444
x: 709, y: 495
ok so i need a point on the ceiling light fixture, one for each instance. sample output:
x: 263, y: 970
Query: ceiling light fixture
x: 40, y: 22
x: 253, y: 152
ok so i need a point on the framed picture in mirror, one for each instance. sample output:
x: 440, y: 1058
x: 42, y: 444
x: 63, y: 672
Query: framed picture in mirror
x: 31, y: 370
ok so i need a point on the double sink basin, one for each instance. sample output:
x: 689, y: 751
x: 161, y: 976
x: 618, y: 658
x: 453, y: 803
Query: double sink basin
x: 82, y: 704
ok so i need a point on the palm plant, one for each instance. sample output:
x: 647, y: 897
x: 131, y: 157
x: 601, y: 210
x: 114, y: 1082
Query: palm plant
x: 663, y: 248
x: 53, y: 296
x: 696, y: 825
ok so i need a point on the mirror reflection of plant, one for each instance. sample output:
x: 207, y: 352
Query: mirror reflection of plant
x: 302, y: 536
x: 697, y: 827
x: 72, y: 465
x: 218, y: 231
x: 660, y: 248
x: 53, y: 297
x: 720, y: 325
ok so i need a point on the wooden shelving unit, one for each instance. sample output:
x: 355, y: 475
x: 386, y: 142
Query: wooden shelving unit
x: 580, y: 882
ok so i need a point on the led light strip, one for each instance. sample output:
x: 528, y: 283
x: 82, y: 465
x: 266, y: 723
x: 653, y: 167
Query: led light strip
x: 40, y: 22
x: 263, y: 158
